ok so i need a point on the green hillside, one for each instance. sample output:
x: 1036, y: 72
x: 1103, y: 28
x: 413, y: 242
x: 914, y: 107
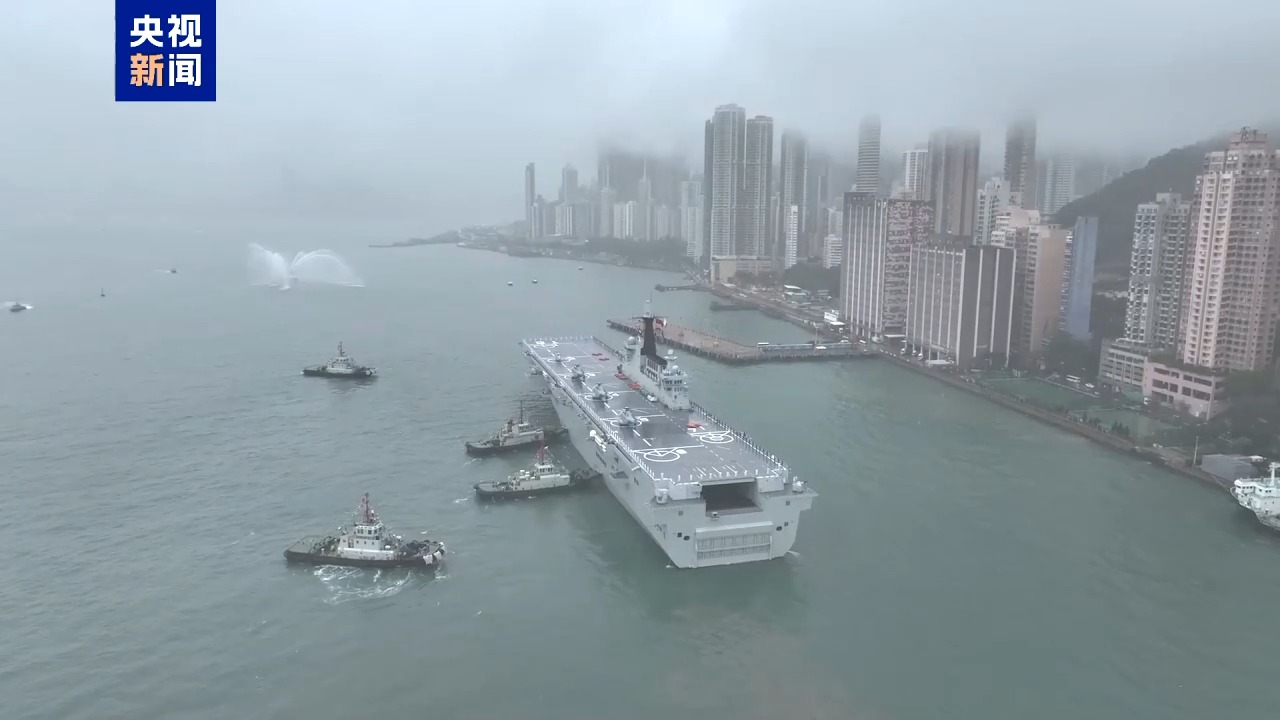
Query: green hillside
x: 1115, y: 204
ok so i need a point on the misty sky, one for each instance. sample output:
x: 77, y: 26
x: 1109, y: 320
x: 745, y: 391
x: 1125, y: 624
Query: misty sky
x: 424, y: 113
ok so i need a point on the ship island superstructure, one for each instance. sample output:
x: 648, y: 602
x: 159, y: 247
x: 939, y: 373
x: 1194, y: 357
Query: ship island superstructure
x: 707, y: 494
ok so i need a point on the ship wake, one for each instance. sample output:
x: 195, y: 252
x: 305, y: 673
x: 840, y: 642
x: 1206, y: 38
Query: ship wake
x: 349, y: 583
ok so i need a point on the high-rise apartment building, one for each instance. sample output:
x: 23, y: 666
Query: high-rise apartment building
x: 790, y: 235
x: 729, y: 127
x: 1157, y: 270
x: 915, y: 174
x: 608, y: 198
x: 1077, y: 278
x: 1057, y: 183
x: 793, y: 187
x: 953, y: 180
x: 960, y: 303
x: 708, y: 156
x: 532, y: 224
x: 1040, y: 256
x: 691, y: 218
x: 568, y: 184
x: 1020, y: 162
x: 624, y: 219
x: 993, y: 199
x: 1233, y: 275
x: 878, y: 238
x: 757, y: 191
x: 832, y: 251
x: 868, y: 155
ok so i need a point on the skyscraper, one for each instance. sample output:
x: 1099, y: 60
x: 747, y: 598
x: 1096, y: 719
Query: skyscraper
x: 691, y: 202
x: 729, y: 127
x: 878, y: 237
x: 568, y: 184
x: 644, y: 198
x: 1057, y: 183
x: 708, y: 145
x: 608, y: 197
x: 1233, y: 278
x: 530, y: 195
x: 790, y: 235
x: 757, y: 190
x: 869, y: 155
x: 993, y: 199
x: 1020, y: 162
x: 953, y: 180
x: 1157, y: 269
x: 793, y: 189
x: 1077, y: 278
x: 915, y: 174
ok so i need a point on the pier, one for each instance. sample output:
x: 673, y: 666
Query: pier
x: 669, y: 288
x: 730, y: 352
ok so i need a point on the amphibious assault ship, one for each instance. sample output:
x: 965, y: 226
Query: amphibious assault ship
x: 704, y: 492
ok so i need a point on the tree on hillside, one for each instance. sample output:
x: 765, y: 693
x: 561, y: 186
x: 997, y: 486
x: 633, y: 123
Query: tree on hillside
x: 1115, y: 204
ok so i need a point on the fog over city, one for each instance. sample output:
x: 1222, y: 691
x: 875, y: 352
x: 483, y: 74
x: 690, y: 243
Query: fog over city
x: 423, y: 114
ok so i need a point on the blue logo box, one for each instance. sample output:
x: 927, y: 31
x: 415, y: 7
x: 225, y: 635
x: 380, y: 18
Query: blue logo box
x: 166, y: 51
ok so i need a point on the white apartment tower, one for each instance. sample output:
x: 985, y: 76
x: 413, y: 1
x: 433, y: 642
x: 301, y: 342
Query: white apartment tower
x: 915, y: 174
x: 993, y: 199
x: 691, y: 218
x: 790, y: 235
x: 1057, y: 183
x: 1157, y: 269
x: 530, y: 196
x: 868, y: 178
x: 1233, y: 274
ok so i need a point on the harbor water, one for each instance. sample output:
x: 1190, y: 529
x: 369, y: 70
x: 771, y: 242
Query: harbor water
x: 160, y: 449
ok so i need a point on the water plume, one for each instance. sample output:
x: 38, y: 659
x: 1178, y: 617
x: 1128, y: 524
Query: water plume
x: 267, y: 267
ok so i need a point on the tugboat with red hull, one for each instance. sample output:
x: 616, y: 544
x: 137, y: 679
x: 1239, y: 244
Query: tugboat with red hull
x: 342, y: 367
x: 366, y: 542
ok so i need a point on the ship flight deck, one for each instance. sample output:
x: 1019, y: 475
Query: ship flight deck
x: 683, y: 446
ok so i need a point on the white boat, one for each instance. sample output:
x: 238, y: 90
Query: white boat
x: 341, y: 366
x: 704, y: 492
x: 366, y: 542
x: 543, y: 477
x: 1260, y: 496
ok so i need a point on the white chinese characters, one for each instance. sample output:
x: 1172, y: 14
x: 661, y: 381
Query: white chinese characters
x: 184, y: 69
x: 146, y: 29
x: 184, y: 31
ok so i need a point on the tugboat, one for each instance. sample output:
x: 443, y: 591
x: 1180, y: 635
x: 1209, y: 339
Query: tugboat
x: 514, y: 434
x: 341, y: 366
x: 543, y: 477
x: 366, y: 542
